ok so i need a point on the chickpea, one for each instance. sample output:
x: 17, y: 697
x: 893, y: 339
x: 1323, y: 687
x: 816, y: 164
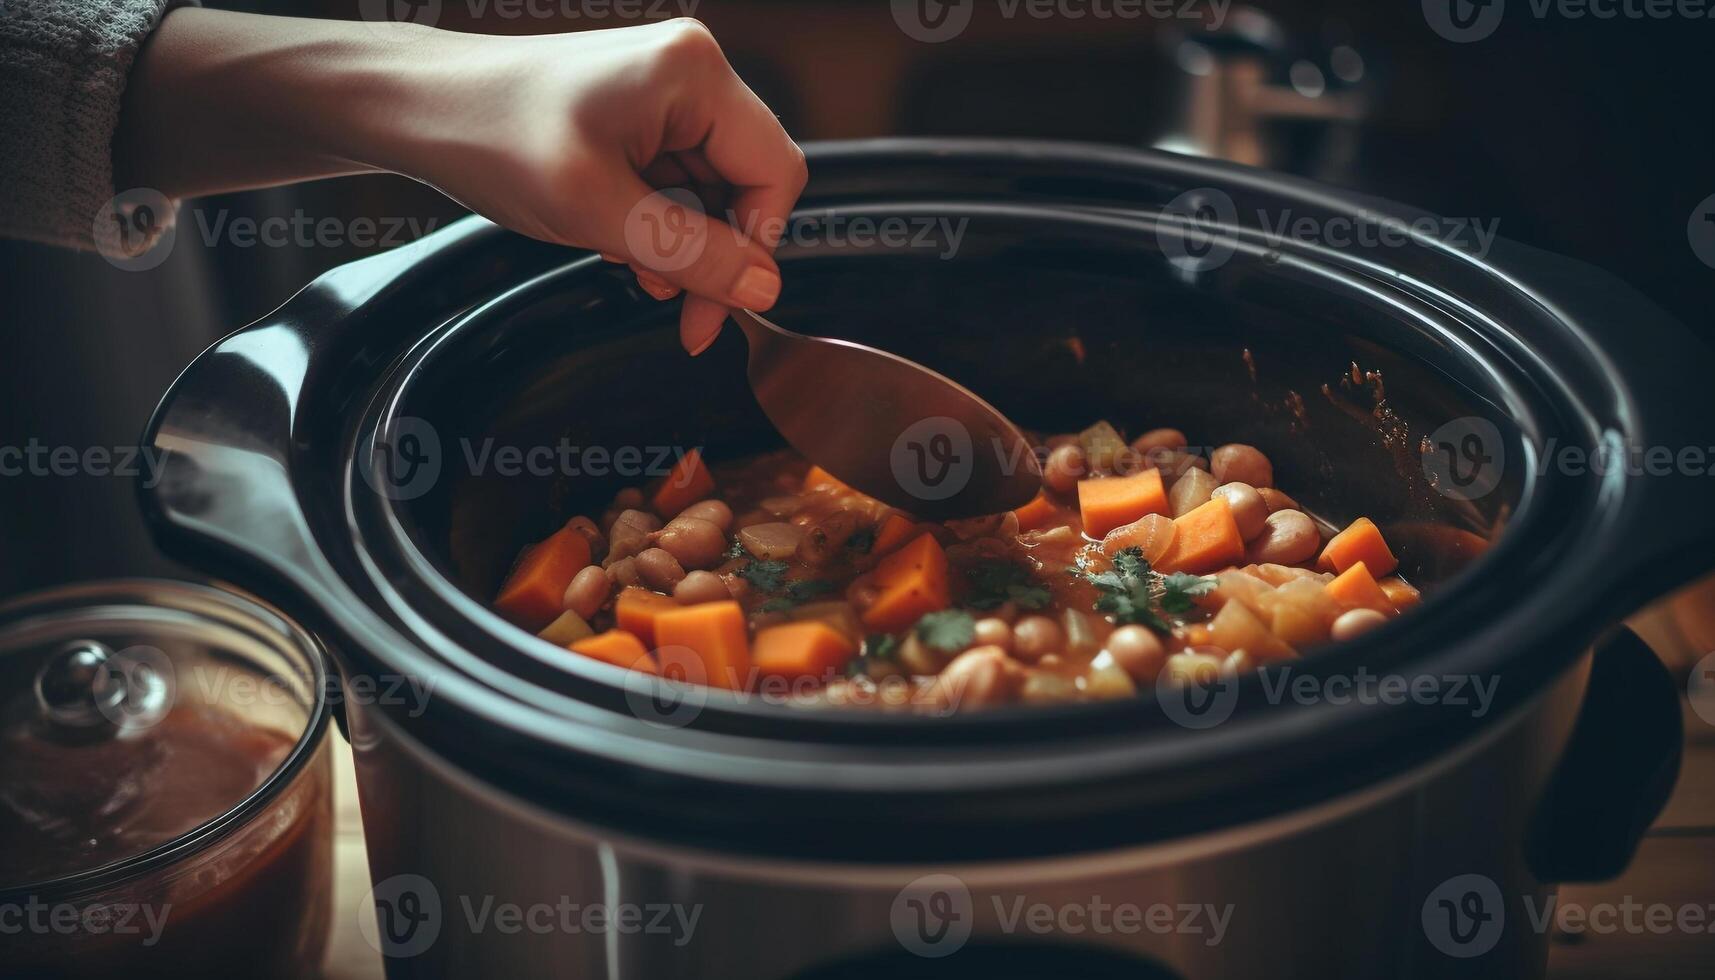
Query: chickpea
x: 977, y: 678
x: 587, y: 591
x: 1249, y: 510
x: 1064, y: 468
x: 1156, y: 439
x: 1138, y: 651
x: 694, y: 542
x: 630, y: 534
x: 992, y: 632
x: 1288, y: 537
x: 659, y: 570
x: 736, y: 587
x: 623, y: 572
x: 716, y: 512
x: 1277, y: 500
x: 700, y: 586
x: 1356, y: 622
x: 1238, y: 463
x: 631, y: 498
x: 1043, y: 687
x: 1034, y: 636
x: 586, y: 529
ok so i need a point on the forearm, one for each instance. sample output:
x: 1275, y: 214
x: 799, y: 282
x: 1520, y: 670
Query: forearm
x: 221, y: 101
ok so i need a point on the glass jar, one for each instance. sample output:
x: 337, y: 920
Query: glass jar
x: 165, y: 785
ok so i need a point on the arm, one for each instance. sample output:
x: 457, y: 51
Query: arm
x: 565, y: 138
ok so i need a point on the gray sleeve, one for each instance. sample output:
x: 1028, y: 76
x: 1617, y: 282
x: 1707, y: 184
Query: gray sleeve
x: 63, y: 67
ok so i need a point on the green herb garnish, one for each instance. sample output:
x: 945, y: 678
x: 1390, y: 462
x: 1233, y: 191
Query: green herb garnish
x: 997, y: 582
x: 765, y: 575
x: 877, y: 648
x: 948, y: 631
x: 1134, y: 593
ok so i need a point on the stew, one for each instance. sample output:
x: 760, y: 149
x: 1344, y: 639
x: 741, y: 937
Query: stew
x: 1141, y: 562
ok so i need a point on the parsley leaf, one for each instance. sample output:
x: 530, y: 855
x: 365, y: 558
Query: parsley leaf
x: 996, y: 582
x: 1133, y: 593
x: 767, y: 575
x: 949, y: 630
x: 1180, y: 590
x: 737, y: 550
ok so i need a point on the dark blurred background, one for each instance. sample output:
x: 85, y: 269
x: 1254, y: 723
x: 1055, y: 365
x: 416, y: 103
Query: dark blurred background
x: 1583, y: 136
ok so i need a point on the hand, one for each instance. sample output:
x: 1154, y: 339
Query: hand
x: 568, y: 138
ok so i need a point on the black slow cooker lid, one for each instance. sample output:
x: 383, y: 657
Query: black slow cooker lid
x: 346, y: 359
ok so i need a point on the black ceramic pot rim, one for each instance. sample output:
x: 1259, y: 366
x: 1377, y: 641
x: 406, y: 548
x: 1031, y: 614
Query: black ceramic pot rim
x: 201, y: 602
x: 967, y: 785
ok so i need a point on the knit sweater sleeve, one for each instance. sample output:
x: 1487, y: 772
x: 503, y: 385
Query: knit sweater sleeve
x: 63, y: 67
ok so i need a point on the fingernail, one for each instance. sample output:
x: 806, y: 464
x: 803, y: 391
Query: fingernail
x: 707, y: 342
x: 757, y: 288
x: 659, y: 290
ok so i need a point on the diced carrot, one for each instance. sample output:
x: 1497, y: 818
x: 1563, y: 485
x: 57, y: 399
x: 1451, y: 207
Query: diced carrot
x: 893, y: 532
x: 1036, y: 514
x: 688, y: 482
x: 1151, y: 534
x: 1361, y: 541
x: 807, y: 649
x: 1401, y: 593
x: 533, y: 594
x: 1356, y: 588
x: 636, y: 610
x: 818, y: 477
x: 913, y: 581
x: 1204, y: 540
x: 1107, y: 502
x: 616, y: 647
x: 706, y: 643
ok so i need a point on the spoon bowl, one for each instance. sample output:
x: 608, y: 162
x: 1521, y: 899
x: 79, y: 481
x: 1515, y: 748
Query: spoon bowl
x: 889, y: 427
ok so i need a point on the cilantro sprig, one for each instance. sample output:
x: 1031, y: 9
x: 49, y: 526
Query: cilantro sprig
x: 999, y: 581
x: 949, y: 630
x: 1132, y: 592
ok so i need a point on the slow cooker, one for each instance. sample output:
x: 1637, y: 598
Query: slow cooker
x: 338, y: 457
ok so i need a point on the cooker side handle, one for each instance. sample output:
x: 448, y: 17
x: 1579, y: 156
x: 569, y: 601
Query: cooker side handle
x: 1664, y: 425
x: 1618, y: 771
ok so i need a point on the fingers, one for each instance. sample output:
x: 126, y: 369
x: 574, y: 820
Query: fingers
x: 667, y: 236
